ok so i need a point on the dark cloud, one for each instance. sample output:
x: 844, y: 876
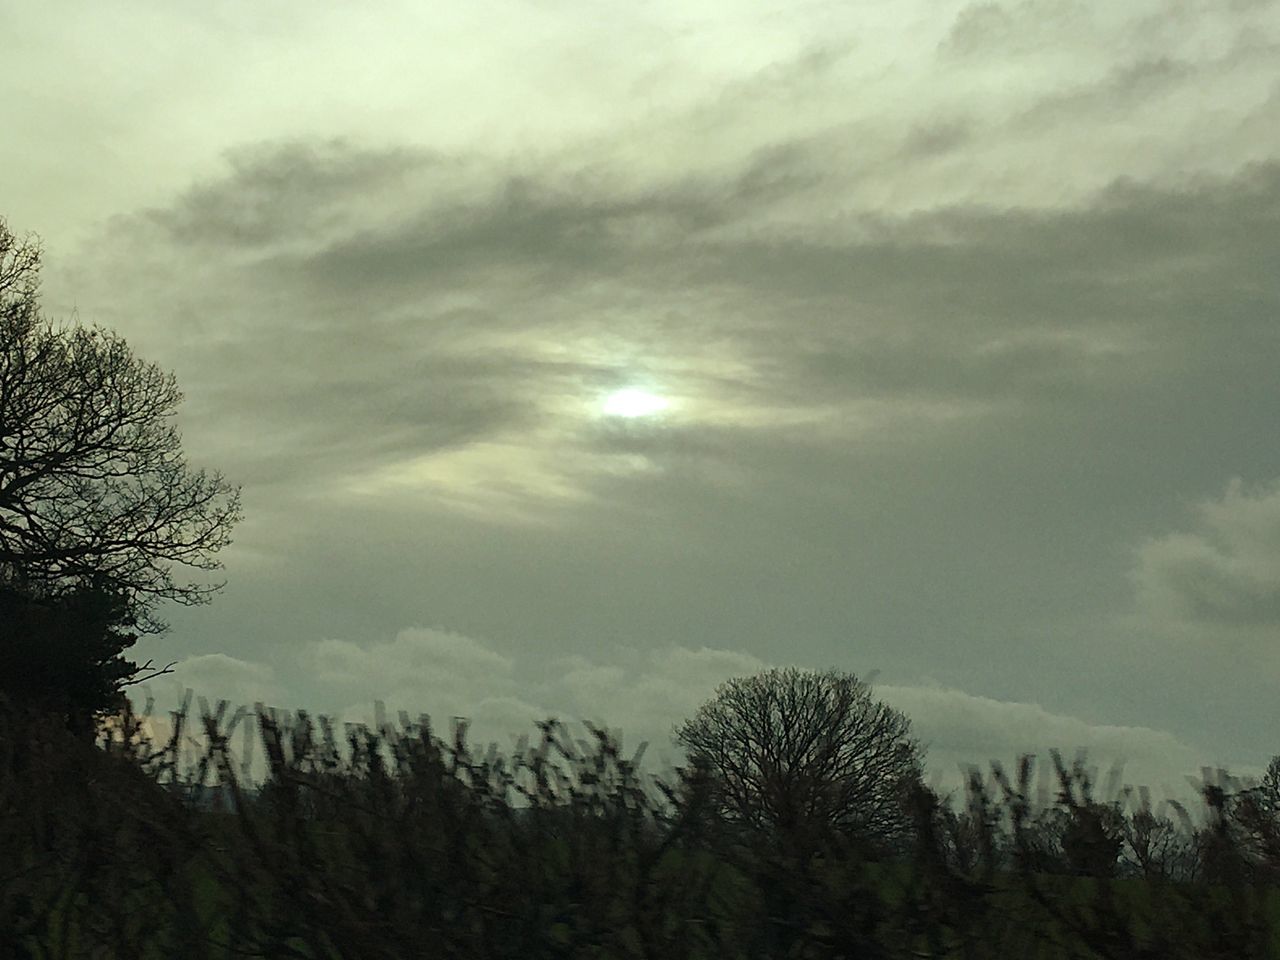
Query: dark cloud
x: 926, y: 441
x: 280, y: 192
x: 967, y: 303
x: 1049, y: 332
x: 937, y: 138
x: 1144, y: 84
x: 969, y: 269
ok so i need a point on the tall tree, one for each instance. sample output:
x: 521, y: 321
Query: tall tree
x: 93, y: 482
x: 796, y: 754
x: 97, y: 505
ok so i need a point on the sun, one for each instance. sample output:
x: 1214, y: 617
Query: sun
x: 634, y: 402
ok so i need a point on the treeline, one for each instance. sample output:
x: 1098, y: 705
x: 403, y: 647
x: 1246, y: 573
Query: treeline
x: 394, y: 842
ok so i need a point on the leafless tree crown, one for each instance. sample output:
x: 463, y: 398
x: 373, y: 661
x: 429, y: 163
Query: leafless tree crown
x: 93, y: 481
x: 793, y: 749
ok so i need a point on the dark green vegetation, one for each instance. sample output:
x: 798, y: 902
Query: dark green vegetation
x: 391, y: 842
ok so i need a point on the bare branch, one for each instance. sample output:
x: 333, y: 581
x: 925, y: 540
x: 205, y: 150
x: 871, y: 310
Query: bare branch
x: 93, y: 481
x: 797, y: 752
x: 142, y: 676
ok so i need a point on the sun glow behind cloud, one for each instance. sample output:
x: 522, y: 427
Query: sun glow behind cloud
x: 634, y: 402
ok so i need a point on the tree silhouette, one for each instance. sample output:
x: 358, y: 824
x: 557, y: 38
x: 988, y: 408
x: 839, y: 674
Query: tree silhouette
x: 1155, y: 847
x: 1092, y: 840
x: 97, y: 505
x: 1255, y: 816
x: 63, y: 654
x: 93, y: 482
x: 797, y: 755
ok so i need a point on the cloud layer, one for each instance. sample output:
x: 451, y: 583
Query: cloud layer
x: 956, y: 308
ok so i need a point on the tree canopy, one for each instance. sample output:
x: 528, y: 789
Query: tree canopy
x: 94, y: 485
x: 64, y: 656
x: 795, y: 753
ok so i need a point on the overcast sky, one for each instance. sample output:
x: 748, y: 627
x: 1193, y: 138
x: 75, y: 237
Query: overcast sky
x: 964, y: 316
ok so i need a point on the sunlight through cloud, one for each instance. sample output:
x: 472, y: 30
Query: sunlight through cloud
x: 633, y: 402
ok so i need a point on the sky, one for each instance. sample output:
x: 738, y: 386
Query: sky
x: 953, y: 328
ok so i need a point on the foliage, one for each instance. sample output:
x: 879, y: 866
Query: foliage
x: 63, y: 654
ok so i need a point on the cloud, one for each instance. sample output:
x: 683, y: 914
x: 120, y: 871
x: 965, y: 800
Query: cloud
x: 934, y: 350
x: 1223, y: 576
x: 642, y: 697
x: 1055, y: 31
x: 922, y: 436
x: 218, y: 676
x: 653, y: 693
x: 964, y: 731
x: 280, y: 194
x: 1023, y: 28
x: 456, y: 323
x: 416, y: 659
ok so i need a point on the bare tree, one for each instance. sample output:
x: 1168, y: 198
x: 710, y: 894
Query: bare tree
x: 93, y: 481
x: 1255, y: 814
x: 1154, y: 846
x: 796, y: 753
